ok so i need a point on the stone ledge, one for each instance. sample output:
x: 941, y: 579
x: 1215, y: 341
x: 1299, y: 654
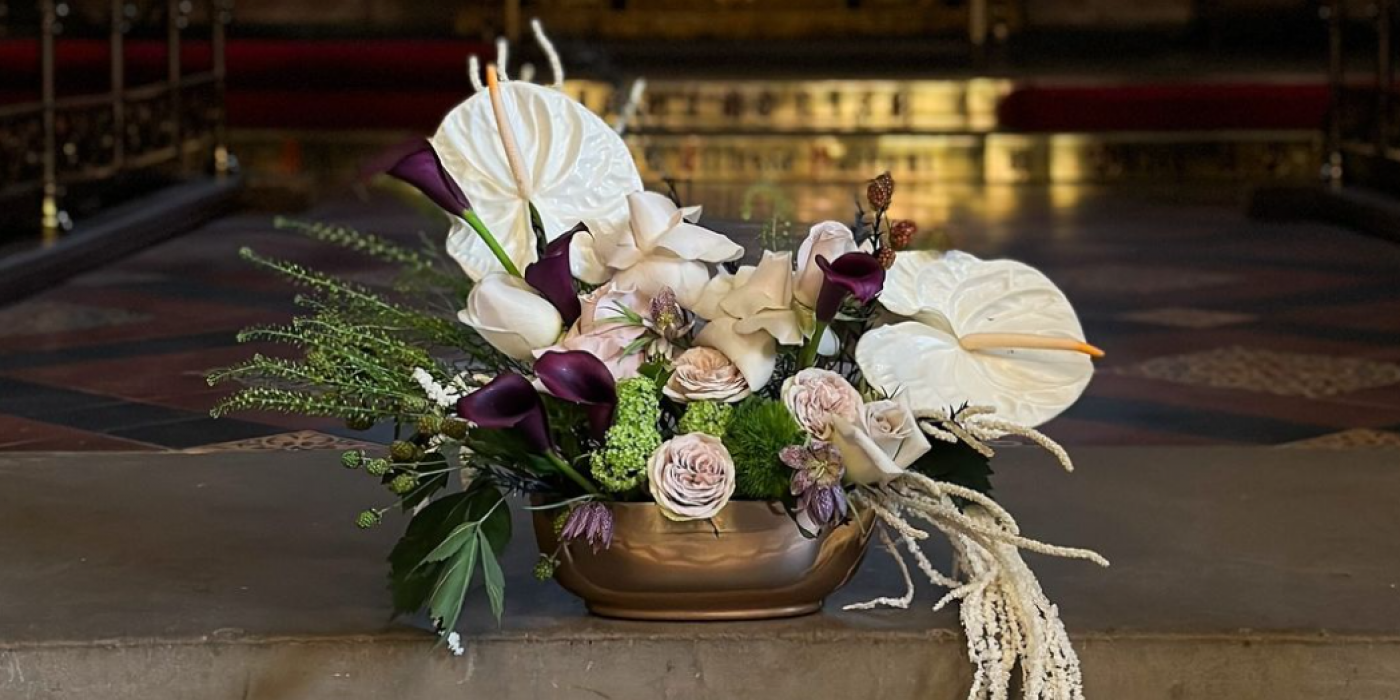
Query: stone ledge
x: 1239, y: 573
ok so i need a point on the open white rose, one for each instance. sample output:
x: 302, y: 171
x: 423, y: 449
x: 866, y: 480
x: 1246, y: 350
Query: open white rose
x: 817, y: 397
x: 750, y: 313
x: 511, y: 315
x: 691, y: 477
x: 662, y: 248
x: 829, y: 239
x: 882, y: 444
x: 705, y: 374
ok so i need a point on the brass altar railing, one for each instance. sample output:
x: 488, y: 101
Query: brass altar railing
x: 58, y: 141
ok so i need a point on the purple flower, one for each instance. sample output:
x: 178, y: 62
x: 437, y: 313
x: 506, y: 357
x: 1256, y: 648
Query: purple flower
x: 422, y: 169
x: 553, y: 279
x: 816, y: 482
x: 509, y: 401
x: 856, y: 274
x: 592, y: 522
x: 580, y: 377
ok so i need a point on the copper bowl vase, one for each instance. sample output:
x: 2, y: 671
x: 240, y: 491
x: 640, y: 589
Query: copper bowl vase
x: 750, y: 562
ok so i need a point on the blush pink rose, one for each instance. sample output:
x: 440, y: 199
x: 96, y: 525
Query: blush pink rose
x: 691, y: 477
x: 815, y: 397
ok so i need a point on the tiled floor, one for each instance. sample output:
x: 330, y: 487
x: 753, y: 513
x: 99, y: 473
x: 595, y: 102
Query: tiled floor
x: 1219, y: 330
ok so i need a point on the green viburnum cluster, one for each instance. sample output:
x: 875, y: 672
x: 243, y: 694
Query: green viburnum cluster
x: 708, y: 417
x: 621, y: 464
x: 758, y: 431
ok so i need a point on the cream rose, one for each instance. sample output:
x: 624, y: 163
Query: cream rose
x: 816, y: 396
x: 691, y: 477
x: 705, y: 374
x: 829, y: 239
x: 663, y: 248
x: 511, y: 315
x: 882, y: 445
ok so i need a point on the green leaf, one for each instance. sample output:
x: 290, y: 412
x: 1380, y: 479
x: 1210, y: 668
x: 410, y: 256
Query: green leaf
x: 445, y: 602
x: 452, y: 544
x: 496, y: 528
x: 410, y: 583
x: 495, y: 578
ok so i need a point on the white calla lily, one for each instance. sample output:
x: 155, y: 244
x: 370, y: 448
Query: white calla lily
x: 662, y: 247
x: 576, y: 169
x: 511, y: 315
x: 993, y: 332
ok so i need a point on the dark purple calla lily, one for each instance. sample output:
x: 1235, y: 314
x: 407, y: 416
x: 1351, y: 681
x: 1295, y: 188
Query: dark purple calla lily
x: 858, y: 274
x: 554, y: 280
x: 509, y: 401
x: 580, y: 377
x: 421, y: 168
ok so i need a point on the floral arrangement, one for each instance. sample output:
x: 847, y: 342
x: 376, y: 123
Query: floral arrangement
x: 599, y: 345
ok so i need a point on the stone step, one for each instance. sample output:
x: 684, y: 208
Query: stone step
x: 1238, y: 573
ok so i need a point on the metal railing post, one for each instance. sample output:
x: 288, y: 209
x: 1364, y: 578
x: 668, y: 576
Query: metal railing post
x: 1332, y: 171
x: 1384, y: 77
x: 49, y: 98
x: 172, y: 46
x: 118, y: 85
x: 222, y: 11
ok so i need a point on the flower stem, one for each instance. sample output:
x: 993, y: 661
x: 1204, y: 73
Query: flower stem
x: 475, y: 222
x: 573, y: 474
x: 808, y: 357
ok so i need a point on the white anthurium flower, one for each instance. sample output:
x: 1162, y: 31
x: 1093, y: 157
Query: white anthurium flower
x: 511, y: 315
x: 996, y: 333
x: 577, y: 169
x: 662, y: 247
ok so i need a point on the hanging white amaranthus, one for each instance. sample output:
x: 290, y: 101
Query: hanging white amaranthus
x: 1006, y: 616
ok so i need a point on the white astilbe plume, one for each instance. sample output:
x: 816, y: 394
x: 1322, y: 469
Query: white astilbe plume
x: 1005, y: 614
x: 444, y: 396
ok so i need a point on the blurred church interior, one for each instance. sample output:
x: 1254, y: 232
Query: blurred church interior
x: 1212, y: 181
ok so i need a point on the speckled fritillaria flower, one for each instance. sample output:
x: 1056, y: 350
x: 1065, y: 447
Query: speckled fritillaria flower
x: 668, y: 320
x: 590, y: 522
x: 816, y: 482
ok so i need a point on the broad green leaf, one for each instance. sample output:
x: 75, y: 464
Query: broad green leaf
x: 452, y: 544
x: 497, y: 527
x: 445, y: 602
x: 495, y: 578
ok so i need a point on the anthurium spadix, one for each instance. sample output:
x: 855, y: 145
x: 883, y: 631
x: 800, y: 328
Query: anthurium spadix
x: 533, y: 146
x: 984, y: 332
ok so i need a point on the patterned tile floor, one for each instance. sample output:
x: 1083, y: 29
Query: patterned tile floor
x: 1220, y: 330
